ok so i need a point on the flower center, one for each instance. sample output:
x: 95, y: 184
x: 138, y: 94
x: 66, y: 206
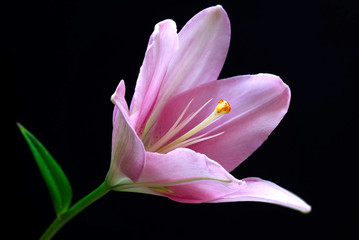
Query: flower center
x: 163, y: 145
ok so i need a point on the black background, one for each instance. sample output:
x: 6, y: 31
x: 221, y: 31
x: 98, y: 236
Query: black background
x: 62, y: 60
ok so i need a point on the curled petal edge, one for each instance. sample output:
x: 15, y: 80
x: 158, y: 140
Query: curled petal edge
x: 128, y: 153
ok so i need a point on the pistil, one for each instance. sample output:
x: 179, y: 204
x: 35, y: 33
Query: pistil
x: 185, y: 140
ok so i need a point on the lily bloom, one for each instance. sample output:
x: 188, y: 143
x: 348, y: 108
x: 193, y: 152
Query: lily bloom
x: 185, y: 130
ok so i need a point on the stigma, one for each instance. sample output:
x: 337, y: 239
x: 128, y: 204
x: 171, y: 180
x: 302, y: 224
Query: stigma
x: 164, y: 145
x: 223, y: 106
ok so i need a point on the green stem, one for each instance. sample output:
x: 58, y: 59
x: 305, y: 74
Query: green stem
x: 59, y: 222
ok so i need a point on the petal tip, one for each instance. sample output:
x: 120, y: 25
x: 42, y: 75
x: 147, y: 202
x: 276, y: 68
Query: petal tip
x: 218, y: 12
x: 218, y: 8
x: 277, y: 83
x: 166, y: 24
x: 306, y: 209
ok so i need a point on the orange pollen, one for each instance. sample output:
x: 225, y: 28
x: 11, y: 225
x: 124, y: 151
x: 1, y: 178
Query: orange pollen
x: 223, y: 106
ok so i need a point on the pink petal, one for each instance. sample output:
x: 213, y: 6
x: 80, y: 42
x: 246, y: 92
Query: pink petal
x: 118, y: 98
x: 186, y: 176
x: 258, y: 103
x: 203, y: 47
x: 256, y: 189
x: 180, y: 172
x: 161, y: 47
x: 128, y: 153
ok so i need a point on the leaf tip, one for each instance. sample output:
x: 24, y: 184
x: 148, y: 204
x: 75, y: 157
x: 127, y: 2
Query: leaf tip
x: 21, y: 127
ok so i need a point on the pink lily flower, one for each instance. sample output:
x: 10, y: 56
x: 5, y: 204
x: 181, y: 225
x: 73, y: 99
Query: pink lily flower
x: 185, y: 130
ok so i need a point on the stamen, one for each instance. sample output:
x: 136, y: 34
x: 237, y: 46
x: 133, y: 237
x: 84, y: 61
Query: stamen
x: 191, y: 141
x: 222, y: 108
x: 177, y: 126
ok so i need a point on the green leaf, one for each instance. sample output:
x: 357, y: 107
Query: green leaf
x: 56, y: 180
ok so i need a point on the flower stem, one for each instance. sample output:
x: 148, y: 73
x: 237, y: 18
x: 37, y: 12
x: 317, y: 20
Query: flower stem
x: 60, y: 221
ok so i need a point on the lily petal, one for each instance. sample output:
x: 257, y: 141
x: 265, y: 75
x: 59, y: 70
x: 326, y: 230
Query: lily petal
x: 256, y: 189
x: 204, y: 43
x: 203, y: 47
x: 128, y: 153
x: 258, y: 103
x: 185, y: 176
x: 162, y: 45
